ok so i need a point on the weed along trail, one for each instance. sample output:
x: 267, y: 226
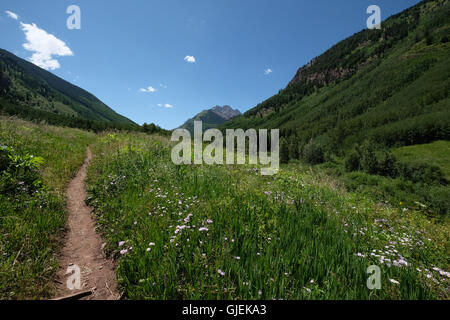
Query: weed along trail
x: 84, y: 271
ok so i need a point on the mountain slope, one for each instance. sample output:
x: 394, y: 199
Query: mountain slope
x: 212, y: 118
x: 26, y: 85
x: 390, y: 86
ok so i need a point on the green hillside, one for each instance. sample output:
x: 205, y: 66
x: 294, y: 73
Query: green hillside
x: 390, y: 86
x: 24, y: 85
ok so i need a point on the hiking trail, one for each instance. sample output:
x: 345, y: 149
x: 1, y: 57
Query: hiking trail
x: 83, y: 248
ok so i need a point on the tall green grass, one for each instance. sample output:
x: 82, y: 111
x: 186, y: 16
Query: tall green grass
x: 30, y: 224
x: 226, y: 232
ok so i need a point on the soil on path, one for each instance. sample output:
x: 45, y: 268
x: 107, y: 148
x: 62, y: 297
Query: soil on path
x: 83, y: 248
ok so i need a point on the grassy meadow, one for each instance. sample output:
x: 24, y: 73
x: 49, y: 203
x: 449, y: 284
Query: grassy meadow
x: 210, y: 232
x: 226, y: 232
x: 32, y: 204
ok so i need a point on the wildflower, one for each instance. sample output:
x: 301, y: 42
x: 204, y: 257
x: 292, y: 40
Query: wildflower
x: 209, y: 221
x: 121, y: 243
x: 124, y: 251
x: 148, y: 249
x: 203, y: 229
x: 238, y: 258
x: 307, y: 289
x: 394, y: 281
x: 135, y: 223
x: 221, y: 272
x: 259, y: 292
x: 151, y: 244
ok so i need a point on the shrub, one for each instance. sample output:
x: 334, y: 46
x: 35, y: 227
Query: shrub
x: 368, y: 160
x: 313, y: 153
x: 284, y: 151
x: 19, y: 173
x: 352, y: 161
x: 386, y: 164
x: 421, y: 173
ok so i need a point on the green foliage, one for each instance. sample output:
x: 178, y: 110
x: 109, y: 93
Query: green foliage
x: 372, y: 160
x: 284, y: 151
x: 313, y: 153
x: 19, y: 172
x: 378, y: 85
x: 295, y: 235
x: 435, y: 154
x: 153, y: 129
x: 34, y: 88
x: 32, y: 201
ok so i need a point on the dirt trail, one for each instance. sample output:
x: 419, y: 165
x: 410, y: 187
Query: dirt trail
x: 84, y: 247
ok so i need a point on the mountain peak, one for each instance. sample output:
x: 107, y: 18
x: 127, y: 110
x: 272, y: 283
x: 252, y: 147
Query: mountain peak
x: 212, y: 118
x: 226, y: 112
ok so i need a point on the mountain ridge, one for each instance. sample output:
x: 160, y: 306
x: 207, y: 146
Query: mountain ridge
x: 390, y: 86
x: 30, y: 86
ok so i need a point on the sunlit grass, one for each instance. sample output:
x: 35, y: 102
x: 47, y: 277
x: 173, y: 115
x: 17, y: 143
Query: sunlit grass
x: 30, y: 225
x: 226, y: 232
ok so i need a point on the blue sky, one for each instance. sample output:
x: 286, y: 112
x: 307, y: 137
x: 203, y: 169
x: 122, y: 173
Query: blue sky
x: 125, y: 46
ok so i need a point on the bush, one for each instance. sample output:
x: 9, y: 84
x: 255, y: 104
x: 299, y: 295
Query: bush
x: 368, y: 160
x: 422, y: 173
x: 386, y: 164
x: 19, y: 173
x: 382, y: 162
x: 438, y: 199
x: 352, y: 161
x: 284, y: 151
x: 313, y: 153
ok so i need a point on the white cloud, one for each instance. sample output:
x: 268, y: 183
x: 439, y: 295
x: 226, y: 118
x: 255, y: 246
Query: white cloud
x: 44, y: 46
x: 149, y: 89
x: 268, y: 71
x: 12, y: 15
x: 164, y: 86
x: 189, y: 59
x: 166, y: 105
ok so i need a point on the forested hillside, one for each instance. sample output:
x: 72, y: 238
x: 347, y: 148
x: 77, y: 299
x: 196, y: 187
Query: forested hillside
x: 389, y: 86
x: 25, y: 85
